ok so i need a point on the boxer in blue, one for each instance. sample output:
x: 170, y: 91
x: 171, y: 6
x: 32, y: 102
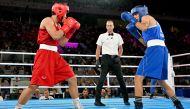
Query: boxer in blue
x: 155, y: 61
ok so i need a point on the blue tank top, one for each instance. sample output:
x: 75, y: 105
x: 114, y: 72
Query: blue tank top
x: 154, y: 32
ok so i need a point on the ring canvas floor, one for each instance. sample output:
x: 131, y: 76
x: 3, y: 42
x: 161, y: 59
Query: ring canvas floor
x: 111, y: 103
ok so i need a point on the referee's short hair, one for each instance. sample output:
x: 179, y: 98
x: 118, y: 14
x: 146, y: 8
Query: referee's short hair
x: 109, y: 20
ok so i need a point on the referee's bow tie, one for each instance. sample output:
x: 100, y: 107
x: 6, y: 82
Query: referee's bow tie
x: 110, y: 34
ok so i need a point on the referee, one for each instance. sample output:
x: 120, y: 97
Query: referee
x: 110, y: 44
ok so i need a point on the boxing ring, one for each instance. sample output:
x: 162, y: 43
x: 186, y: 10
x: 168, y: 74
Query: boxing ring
x: 111, y: 103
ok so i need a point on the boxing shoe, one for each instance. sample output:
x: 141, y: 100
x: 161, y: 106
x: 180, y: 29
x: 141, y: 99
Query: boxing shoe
x: 79, y: 107
x: 178, y: 104
x: 166, y: 96
x: 18, y: 106
x: 77, y: 104
x: 151, y: 96
x: 126, y: 101
x: 138, y: 105
x: 99, y: 103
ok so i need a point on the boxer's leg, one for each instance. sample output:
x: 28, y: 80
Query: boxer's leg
x: 25, y: 96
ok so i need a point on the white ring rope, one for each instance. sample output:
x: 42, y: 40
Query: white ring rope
x: 23, y: 53
x: 72, y: 65
x: 81, y: 55
x: 18, y: 87
x: 117, y: 86
x: 178, y: 55
x: 80, y: 76
x: 182, y: 65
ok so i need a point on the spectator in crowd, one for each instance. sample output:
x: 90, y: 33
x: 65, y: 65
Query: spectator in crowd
x: 5, y: 91
x: 104, y: 94
x: 109, y: 92
x: 66, y: 93
x: 36, y: 94
x: 85, y: 94
x: 46, y: 96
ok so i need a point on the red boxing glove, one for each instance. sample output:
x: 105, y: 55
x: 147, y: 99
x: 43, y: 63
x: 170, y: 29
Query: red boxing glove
x: 68, y: 24
x: 72, y: 30
x: 77, y: 25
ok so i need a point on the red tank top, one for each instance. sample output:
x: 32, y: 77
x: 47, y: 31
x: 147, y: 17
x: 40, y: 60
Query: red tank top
x: 45, y: 38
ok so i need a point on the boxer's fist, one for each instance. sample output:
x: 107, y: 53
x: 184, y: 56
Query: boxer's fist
x: 68, y: 24
x: 127, y: 16
x: 70, y: 33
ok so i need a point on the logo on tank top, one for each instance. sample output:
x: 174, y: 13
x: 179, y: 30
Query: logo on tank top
x: 43, y: 77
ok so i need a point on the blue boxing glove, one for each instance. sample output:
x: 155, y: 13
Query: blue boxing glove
x: 133, y: 30
x: 127, y: 16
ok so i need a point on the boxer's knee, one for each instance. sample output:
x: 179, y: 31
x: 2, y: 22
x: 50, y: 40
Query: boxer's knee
x: 138, y: 79
x: 32, y: 88
x: 72, y: 80
x: 164, y: 84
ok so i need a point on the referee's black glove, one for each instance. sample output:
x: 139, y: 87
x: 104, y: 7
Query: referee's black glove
x: 97, y: 71
x: 97, y: 63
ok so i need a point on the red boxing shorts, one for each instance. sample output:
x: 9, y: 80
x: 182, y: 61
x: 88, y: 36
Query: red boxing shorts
x: 50, y: 68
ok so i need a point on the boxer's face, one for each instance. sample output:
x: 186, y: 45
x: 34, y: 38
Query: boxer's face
x: 136, y: 16
x: 109, y: 26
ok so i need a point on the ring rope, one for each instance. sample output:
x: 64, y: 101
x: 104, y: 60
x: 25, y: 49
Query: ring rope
x: 77, y: 65
x: 81, y: 55
x: 81, y: 76
x: 184, y: 54
x: 182, y: 65
x: 72, y: 65
x: 117, y: 86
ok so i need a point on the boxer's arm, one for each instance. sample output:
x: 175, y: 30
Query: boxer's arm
x: 144, y: 24
x: 49, y: 26
x: 141, y: 40
x: 134, y: 32
x: 63, y: 41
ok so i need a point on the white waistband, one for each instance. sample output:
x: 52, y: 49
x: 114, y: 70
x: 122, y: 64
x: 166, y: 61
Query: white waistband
x: 48, y: 47
x: 155, y: 42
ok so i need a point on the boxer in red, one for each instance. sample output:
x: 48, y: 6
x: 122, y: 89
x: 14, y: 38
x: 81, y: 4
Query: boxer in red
x: 49, y: 67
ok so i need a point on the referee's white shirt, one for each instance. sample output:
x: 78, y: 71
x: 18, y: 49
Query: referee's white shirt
x: 110, y: 44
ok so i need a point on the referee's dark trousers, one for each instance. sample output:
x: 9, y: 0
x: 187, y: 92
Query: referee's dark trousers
x: 111, y: 62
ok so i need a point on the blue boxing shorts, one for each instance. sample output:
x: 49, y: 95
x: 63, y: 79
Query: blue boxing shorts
x: 154, y: 64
